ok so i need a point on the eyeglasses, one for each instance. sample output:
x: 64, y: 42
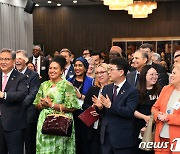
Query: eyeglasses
x: 5, y: 59
x: 100, y: 73
x: 84, y: 54
x: 112, y: 69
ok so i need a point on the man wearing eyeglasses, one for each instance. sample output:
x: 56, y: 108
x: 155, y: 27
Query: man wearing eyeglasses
x: 86, y: 52
x: 115, y: 52
x: 117, y: 105
x: 13, y: 90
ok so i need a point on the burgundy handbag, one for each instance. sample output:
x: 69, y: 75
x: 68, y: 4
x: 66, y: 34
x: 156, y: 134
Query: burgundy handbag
x: 57, y: 124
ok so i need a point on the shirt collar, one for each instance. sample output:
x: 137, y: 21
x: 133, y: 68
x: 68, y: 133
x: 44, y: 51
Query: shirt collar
x: 121, y: 84
x: 38, y: 58
x: 23, y: 71
x: 8, y: 75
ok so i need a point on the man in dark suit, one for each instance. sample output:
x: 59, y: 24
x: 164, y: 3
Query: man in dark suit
x: 117, y: 105
x: 139, y: 61
x: 13, y: 90
x: 41, y: 64
x: 32, y: 113
x: 69, y: 69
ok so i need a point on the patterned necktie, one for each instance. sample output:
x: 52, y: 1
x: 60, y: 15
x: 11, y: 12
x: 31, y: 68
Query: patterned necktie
x: 115, y: 92
x: 5, y: 77
x: 36, y: 65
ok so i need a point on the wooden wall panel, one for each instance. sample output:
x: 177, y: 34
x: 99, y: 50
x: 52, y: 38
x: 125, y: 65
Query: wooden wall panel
x: 95, y: 26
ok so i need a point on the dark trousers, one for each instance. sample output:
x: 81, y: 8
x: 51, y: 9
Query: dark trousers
x: 94, y: 142
x: 11, y: 142
x: 29, y: 135
x: 107, y: 148
x: 80, y: 134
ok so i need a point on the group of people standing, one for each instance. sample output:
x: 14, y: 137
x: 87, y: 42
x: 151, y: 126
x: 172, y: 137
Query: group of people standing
x: 123, y: 97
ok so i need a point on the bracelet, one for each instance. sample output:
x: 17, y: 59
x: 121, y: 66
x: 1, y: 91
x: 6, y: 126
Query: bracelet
x: 52, y: 106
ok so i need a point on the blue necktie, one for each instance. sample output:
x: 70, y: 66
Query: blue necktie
x: 137, y: 79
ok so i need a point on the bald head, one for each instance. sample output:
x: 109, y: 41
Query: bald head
x: 177, y: 57
x: 115, y: 52
x: 177, y: 53
x: 117, y: 49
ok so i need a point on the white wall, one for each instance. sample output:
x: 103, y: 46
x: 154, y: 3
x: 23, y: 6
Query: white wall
x: 16, y: 26
x: 20, y: 3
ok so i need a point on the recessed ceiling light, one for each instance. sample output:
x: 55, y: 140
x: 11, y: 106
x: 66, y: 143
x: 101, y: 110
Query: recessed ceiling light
x: 36, y: 4
x: 58, y: 4
x: 75, y: 1
x: 49, y: 2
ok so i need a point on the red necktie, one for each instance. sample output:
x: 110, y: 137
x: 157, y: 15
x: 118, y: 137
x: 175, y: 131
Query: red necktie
x: 36, y: 65
x: 5, y: 77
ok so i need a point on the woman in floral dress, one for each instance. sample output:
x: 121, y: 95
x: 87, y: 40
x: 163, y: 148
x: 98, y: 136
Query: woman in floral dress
x: 55, y: 95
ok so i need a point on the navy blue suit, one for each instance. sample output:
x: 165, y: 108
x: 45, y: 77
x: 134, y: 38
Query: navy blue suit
x: 13, y: 115
x: 32, y: 113
x: 118, y: 121
x: 70, y: 72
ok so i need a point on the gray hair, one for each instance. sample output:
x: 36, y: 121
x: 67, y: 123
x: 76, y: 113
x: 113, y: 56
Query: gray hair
x: 144, y: 53
x: 13, y: 53
x: 66, y: 50
x: 157, y: 57
x: 22, y: 51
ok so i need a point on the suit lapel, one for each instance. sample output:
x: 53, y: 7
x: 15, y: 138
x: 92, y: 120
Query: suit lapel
x: 122, y: 91
x: 11, y: 78
x: 110, y: 94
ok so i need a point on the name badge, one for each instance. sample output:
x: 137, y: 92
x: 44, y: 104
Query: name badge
x: 43, y: 68
x: 176, y: 106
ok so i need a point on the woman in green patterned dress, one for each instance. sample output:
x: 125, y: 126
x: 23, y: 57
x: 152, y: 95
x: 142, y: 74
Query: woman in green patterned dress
x: 54, y: 95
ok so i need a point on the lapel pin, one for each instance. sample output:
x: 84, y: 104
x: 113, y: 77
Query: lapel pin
x: 122, y: 92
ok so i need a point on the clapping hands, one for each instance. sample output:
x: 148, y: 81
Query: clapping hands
x: 101, y: 101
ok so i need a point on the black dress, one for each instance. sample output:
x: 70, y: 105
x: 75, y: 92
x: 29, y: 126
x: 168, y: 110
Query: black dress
x: 144, y: 108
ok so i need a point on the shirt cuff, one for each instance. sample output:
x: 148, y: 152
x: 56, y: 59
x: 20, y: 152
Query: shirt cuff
x: 5, y: 95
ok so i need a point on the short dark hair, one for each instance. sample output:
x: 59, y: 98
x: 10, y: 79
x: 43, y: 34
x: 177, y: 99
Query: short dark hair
x: 121, y: 63
x: 13, y: 53
x: 89, y: 49
x: 146, y: 45
x: 60, y: 60
x: 96, y: 53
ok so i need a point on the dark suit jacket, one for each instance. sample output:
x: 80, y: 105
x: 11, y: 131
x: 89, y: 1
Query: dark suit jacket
x: 13, y: 114
x: 33, y: 81
x: 44, y: 66
x: 70, y: 72
x: 131, y: 78
x: 119, y: 119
